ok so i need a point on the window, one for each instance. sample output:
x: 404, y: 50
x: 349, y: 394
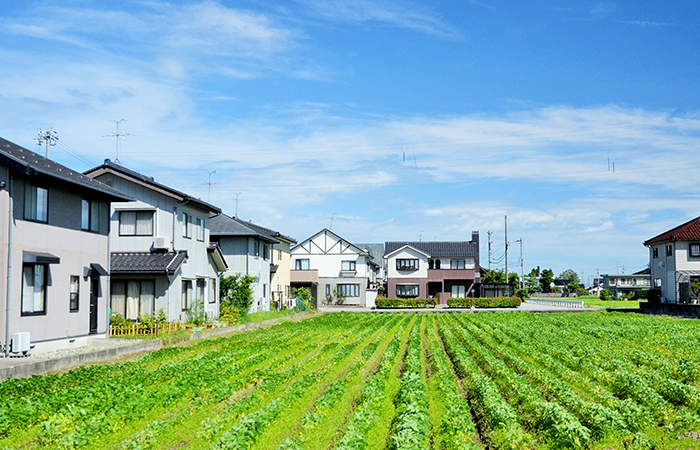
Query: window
x: 407, y: 290
x: 256, y: 247
x: 186, y: 293
x: 200, y: 229
x: 613, y: 281
x: 200, y: 289
x: 186, y: 228
x: 90, y: 216
x: 695, y: 250
x: 459, y: 291
x: 36, y: 203
x: 655, y: 252
x: 328, y: 290
x: 457, y: 264
x: 136, y: 223
x: 133, y: 297
x: 301, y: 264
x: 406, y: 264
x: 348, y: 266
x: 279, y: 254
x: 34, y: 289
x: 657, y: 283
x: 264, y: 290
x: 74, y: 293
x: 350, y: 290
x: 669, y: 250
x: 212, y: 294
x: 266, y: 251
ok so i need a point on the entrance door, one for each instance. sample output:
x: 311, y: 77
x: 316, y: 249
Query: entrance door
x: 94, y: 294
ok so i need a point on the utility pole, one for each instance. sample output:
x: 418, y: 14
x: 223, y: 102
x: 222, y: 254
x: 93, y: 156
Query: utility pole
x: 50, y: 137
x: 210, y: 183
x: 117, y: 135
x: 522, y: 265
x: 489, y: 234
x: 506, y: 221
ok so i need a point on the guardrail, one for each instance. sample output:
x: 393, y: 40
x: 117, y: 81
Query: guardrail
x: 556, y: 302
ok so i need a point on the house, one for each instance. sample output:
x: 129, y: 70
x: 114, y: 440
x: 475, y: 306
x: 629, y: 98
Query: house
x: 253, y: 250
x: 674, y: 260
x: 621, y: 284
x: 161, y: 254
x: 55, y: 282
x: 376, y: 251
x: 332, y: 268
x: 432, y: 269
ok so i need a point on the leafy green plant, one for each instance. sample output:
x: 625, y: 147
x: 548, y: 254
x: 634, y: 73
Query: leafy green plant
x: 196, y: 315
x: 389, y: 303
x: 605, y: 295
x: 237, y: 291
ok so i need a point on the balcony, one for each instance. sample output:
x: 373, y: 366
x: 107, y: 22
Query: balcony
x: 451, y: 274
x: 304, y: 276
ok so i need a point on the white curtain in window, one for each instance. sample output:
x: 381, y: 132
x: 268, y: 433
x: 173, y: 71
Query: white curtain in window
x: 458, y: 291
x: 42, y: 204
x: 85, y: 215
x: 28, y: 289
x: 148, y: 295
x: 144, y: 223
x: 132, y: 300
x: 127, y: 223
x: 119, y: 298
x: 38, y: 288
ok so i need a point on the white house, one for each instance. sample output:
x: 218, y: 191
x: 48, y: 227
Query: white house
x: 161, y: 255
x: 328, y: 264
x: 247, y: 251
x: 674, y: 260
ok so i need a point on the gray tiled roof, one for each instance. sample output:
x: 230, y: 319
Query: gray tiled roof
x: 267, y: 231
x: 147, y: 262
x: 461, y: 249
x: 33, y: 163
x: 118, y: 168
x: 223, y: 225
x: 376, y: 251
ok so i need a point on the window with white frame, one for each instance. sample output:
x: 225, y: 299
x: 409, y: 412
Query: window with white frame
x: 694, y: 250
x: 74, y: 293
x: 186, y: 294
x: 133, y: 297
x: 301, y: 264
x: 457, y: 264
x: 657, y: 283
x: 36, y: 203
x: 266, y: 251
x: 186, y: 225
x: 256, y: 247
x: 34, y: 289
x: 200, y: 229
x: 90, y: 215
x: 348, y: 266
x: 349, y: 290
x: 407, y: 264
x: 458, y: 291
x: 136, y: 223
x: 201, y: 284
x: 407, y: 290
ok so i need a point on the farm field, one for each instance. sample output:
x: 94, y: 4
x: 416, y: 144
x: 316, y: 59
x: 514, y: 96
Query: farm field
x: 374, y: 381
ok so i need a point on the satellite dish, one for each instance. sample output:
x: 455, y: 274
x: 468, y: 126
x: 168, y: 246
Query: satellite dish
x: 661, y: 264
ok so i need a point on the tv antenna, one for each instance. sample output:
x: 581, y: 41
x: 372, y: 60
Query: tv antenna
x: 117, y: 135
x: 50, y: 137
x: 420, y: 235
x: 332, y: 217
x: 210, y: 183
x: 238, y: 197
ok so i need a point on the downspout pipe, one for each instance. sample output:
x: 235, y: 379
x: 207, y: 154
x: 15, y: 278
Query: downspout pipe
x: 10, y: 221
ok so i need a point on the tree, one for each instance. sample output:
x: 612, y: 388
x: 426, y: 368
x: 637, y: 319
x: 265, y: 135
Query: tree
x: 531, y: 284
x: 546, y: 280
x: 514, y: 279
x: 571, y: 276
x: 495, y: 276
x: 236, y: 291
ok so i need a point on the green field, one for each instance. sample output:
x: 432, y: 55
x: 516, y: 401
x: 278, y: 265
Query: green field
x: 594, y: 300
x: 383, y: 381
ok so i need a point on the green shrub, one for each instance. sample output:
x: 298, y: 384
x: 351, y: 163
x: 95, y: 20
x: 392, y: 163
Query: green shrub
x: 229, y: 313
x: 389, y: 303
x: 641, y: 294
x: 497, y: 302
x: 605, y: 295
x: 454, y: 302
x: 580, y: 292
x: 522, y: 294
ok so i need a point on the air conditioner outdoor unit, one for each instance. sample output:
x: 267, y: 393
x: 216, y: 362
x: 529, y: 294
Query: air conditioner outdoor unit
x: 20, y: 343
x: 161, y: 243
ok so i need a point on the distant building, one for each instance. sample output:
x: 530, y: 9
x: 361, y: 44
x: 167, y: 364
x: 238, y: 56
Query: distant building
x: 619, y: 285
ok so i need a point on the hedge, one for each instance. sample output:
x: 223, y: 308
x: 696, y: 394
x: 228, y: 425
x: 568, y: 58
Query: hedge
x: 389, y: 303
x: 484, y: 302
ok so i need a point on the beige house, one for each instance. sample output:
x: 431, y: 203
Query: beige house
x: 58, y: 246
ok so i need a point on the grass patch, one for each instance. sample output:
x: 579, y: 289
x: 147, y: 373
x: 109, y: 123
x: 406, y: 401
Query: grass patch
x: 169, y: 339
x: 594, y: 300
x: 265, y: 315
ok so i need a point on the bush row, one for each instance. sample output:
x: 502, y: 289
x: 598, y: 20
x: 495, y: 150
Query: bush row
x: 388, y: 303
x: 484, y: 302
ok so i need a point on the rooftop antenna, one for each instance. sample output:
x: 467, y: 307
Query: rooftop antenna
x: 608, y: 160
x: 237, y: 198
x: 50, y: 137
x: 332, y: 216
x: 117, y: 135
x: 420, y: 236
x: 210, y: 183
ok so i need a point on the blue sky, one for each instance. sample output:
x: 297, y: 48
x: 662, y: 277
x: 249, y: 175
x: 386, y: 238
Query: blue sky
x: 401, y: 120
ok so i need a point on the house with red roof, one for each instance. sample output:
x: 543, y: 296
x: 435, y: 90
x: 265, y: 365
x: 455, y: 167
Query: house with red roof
x: 674, y: 258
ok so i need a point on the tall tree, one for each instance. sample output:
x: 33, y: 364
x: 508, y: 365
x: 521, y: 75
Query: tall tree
x: 570, y: 275
x: 546, y: 280
x: 495, y: 276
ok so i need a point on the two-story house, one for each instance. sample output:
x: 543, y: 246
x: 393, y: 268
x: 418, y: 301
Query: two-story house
x: 327, y: 264
x: 621, y: 284
x: 674, y: 260
x: 161, y: 256
x: 248, y: 251
x: 54, y: 250
x: 432, y: 269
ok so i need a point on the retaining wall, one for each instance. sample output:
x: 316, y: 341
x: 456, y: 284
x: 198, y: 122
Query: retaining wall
x: 670, y: 309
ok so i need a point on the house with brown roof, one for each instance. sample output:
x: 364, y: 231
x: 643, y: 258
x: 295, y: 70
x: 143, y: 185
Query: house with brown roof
x: 674, y: 259
x: 432, y: 269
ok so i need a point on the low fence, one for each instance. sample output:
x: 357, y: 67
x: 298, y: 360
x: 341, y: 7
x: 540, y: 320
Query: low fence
x: 141, y: 330
x: 556, y: 302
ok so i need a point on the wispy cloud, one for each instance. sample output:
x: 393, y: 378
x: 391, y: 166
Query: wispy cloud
x: 646, y: 23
